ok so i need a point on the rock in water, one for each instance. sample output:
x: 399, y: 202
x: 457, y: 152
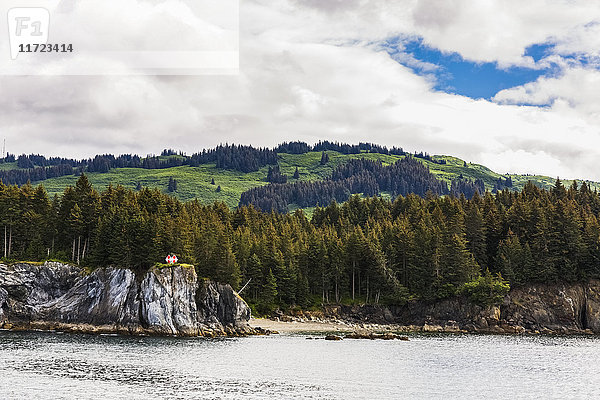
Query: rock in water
x: 169, y: 301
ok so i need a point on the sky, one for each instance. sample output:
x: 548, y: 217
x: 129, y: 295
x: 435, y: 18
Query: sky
x: 508, y: 84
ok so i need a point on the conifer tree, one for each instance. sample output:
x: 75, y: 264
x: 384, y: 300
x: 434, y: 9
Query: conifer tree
x: 254, y: 274
x: 268, y: 292
x: 302, y: 291
x: 476, y: 233
x: 227, y: 269
x: 172, y: 186
x: 510, y: 259
x: 76, y: 226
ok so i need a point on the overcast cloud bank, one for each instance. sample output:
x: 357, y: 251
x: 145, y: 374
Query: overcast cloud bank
x: 314, y: 69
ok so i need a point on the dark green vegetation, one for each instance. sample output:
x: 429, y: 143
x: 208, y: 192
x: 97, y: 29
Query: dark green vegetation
x: 368, y: 250
x: 237, y: 169
x: 371, y: 178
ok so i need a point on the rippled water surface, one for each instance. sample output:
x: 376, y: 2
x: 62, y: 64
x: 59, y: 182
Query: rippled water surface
x: 64, y: 366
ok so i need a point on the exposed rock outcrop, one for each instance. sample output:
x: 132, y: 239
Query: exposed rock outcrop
x: 557, y: 308
x: 174, y: 301
x: 169, y: 301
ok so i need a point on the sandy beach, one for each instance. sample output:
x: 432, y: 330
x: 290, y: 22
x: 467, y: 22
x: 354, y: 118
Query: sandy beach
x: 325, y: 326
x: 298, y: 327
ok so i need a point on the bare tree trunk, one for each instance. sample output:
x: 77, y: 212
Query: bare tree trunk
x: 5, y: 254
x: 323, y: 287
x: 73, y: 252
x: 337, y: 293
x: 52, y: 244
x: 353, y: 266
x: 9, y: 241
x: 85, y: 248
x: 89, y: 245
x: 78, y: 248
x: 367, y: 301
x: 359, y: 284
x: 404, y: 272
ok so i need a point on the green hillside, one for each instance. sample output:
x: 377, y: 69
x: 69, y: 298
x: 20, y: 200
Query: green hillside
x: 195, y: 182
x: 455, y: 167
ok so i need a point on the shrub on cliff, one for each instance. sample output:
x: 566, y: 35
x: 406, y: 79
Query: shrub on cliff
x: 487, y: 289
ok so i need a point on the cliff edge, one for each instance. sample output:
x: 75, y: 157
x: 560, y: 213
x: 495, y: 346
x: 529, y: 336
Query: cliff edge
x: 168, y: 301
x: 560, y: 308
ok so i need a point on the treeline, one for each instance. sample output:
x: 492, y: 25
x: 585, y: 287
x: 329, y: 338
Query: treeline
x: 35, y: 167
x: 239, y: 158
x: 8, y: 158
x: 370, y: 250
x: 38, y: 168
x: 467, y: 187
x: 364, y: 176
x: 344, y: 148
x: 22, y: 176
x: 33, y: 160
x: 502, y: 184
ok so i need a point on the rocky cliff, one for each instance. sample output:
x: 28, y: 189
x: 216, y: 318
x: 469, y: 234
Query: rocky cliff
x: 174, y: 301
x: 559, y: 308
x: 169, y: 301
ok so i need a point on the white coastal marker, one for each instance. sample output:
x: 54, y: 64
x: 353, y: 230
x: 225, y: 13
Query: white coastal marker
x: 27, y: 25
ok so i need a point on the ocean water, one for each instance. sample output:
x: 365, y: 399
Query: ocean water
x: 66, y: 366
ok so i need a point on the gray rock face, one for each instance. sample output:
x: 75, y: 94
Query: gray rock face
x: 556, y: 308
x: 171, y: 301
x: 561, y: 308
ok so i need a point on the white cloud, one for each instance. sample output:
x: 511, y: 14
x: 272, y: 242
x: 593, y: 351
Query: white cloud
x: 480, y: 31
x: 573, y: 93
x: 582, y: 40
x: 498, y: 31
x: 310, y: 71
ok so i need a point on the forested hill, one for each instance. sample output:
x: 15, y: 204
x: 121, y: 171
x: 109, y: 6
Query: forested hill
x: 368, y: 177
x: 227, y: 171
x: 371, y: 250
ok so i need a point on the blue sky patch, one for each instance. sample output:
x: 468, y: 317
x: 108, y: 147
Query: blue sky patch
x: 539, y: 51
x: 455, y: 75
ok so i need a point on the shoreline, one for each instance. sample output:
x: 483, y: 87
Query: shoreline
x: 267, y: 327
x: 344, y: 327
x: 339, y: 326
x: 107, y: 329
x: 301, y: 327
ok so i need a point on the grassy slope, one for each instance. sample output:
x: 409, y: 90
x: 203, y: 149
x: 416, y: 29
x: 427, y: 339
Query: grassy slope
x: 8, y: 166
x: 194, y: 182
x: 454, y: 167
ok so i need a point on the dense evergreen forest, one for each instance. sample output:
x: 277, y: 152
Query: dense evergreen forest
x: 356, y: 176
x: 368, y: 250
